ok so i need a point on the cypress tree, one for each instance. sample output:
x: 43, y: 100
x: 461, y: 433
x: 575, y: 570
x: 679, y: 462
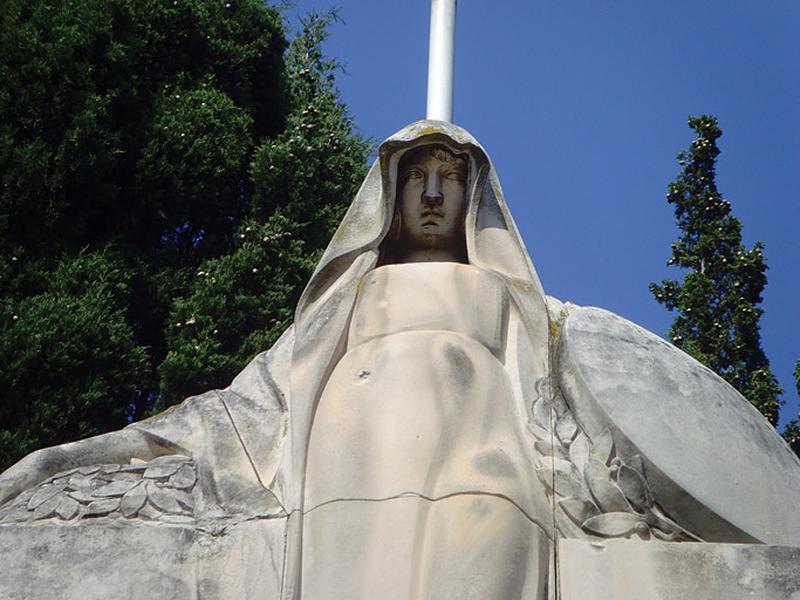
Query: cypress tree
x: 717, y: 299
x: 168, y: 173
x: 303, y: 179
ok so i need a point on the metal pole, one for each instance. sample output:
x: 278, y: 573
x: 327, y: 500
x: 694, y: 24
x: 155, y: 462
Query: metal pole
x: 441, y: 57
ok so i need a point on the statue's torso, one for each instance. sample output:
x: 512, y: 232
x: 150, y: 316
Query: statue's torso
x: 417, y: 443
x: 421, y: 401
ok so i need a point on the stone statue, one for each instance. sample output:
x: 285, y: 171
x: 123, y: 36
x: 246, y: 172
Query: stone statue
x: 431, y: 426
x: 419, y: 479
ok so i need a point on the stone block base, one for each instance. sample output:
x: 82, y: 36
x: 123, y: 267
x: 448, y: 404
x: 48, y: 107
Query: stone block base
x: 631, y: 570
x: 131, y: 560
x: 243, y: 561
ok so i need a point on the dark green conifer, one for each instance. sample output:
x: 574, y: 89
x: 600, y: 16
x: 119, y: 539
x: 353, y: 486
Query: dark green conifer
x: 718, y: 297
x: 303, y: 179
x: 168, y: 174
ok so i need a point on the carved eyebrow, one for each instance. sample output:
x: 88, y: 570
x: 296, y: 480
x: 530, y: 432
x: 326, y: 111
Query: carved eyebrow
x: 459, y: 167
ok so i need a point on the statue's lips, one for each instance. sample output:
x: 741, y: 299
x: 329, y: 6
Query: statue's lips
x: 431, y: 218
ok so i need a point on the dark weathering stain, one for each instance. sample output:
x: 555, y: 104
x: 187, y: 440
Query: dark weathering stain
x: 494, y: 463
x: 460, y: 363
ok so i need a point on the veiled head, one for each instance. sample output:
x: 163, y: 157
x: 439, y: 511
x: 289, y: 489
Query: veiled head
x: 430, y: 208
x: 372, y: 232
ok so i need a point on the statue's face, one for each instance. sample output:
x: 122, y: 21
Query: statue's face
x: 431, y: 196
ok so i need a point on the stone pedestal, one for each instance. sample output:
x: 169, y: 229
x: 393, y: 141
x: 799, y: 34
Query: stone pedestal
x: 244, y: 560
x: 135, y: 560
x: 628, y: 570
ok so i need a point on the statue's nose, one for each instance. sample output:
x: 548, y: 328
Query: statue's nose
x: 432, y: 195
x: 432, y: 200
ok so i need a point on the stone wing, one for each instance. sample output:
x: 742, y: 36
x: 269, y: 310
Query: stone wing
x: 708, y: 460
x: 200, y: 520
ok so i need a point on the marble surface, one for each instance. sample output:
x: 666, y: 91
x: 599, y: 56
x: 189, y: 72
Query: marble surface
x: 621, y: 570
x: 121, y: 559
x: 711, y: 460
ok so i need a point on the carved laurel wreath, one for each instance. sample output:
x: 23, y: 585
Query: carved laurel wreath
x: 594, y: 491
x: 159, y: 490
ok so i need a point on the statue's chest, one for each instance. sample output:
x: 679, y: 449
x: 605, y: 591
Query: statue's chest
x: 431, y: 297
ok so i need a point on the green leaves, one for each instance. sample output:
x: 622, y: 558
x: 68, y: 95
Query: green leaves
x: 83, y: 90
x: 169, y: 175
x: 718, y: 317
x: 192, y: 168
x: 303, y: 179
x: 71, y: 364
x: 238, y: 305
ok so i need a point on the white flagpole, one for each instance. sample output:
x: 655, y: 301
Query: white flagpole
x: 441, y: 56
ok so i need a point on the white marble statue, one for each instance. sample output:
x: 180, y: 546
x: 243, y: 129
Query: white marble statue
x: 420, y: 480
x: 432, y: 423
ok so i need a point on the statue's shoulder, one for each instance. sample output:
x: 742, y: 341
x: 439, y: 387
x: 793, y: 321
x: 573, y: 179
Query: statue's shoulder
x: 264, y: 382
x: 714, y: 461
x: 259, y: 390
x: 245, y: 423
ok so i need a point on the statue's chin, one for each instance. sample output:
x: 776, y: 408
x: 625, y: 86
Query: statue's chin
x: 432, y: 237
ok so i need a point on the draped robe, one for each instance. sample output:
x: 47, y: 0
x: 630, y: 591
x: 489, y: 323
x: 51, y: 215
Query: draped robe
x: 419, y: 480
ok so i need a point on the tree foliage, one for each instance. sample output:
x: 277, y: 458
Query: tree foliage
x: 68, y: 355
x: 717, y: 300
x: 303, y: 180
x: 792, y: 432
x: 168, y: 175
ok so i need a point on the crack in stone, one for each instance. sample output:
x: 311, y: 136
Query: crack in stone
x: 247, y: 452
x: 402, y: 495
x: 216, y: 527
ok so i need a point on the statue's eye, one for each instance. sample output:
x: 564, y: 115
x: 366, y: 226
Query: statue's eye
x: 455, y: 175
x: 412, y: 174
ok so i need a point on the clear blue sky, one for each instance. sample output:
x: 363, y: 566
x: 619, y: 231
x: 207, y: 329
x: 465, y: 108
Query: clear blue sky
x: 583, y: 105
